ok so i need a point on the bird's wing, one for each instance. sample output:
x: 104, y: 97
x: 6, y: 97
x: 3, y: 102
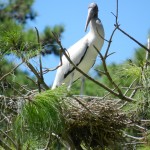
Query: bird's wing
x: 76, y: 54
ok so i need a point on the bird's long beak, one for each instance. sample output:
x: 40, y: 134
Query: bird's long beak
x: 88, y: 18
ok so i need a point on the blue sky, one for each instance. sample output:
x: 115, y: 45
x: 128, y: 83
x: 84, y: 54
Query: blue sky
x: 134, y: 18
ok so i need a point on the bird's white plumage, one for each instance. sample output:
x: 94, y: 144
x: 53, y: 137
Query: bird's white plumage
x: 82, y: 53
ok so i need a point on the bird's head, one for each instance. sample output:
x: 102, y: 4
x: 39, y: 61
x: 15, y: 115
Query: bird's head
x: 92, y: 12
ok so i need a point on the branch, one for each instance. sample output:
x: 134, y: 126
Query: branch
x: 141, y: 128
x: 135, y: 143
x: 133, y: 137
x: 40, y: 61
x: 40, y: 80
x: 129, y: 88
x: 109, y: 43
x: 134, y: 92
x: 101, y: 36
x: 132, y: 38
x: 4, y: 145
x: 60, y: 56
x: 113, y: 32
x: 145, y: 121
x: 82, y: 105
x: 4, y: 76
x: 9, y: 138
x: 107, y: 73
x: 48, y: 143
x: 117, y: 26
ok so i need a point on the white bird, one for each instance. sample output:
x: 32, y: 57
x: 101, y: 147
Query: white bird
x: 82, y: 53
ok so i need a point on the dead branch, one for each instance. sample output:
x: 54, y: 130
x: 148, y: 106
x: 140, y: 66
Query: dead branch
x: 40, y: 80
x: 129, y: 88
x: 133, y: 137
x: 40, y: 61
x: 53, y: 69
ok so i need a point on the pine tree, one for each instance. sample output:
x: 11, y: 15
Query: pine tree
x: 17, y: 86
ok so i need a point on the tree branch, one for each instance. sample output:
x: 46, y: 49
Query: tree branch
x: 40, y: 61
x: 87, y: 76
x: 132, y: 38
x: 60, y: 56
x: 106, y: 71
x: 113, y: 32
x: 4, y: 76
x: 40, y: 80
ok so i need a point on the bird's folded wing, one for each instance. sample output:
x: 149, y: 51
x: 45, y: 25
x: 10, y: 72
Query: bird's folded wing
x: 76, y: 54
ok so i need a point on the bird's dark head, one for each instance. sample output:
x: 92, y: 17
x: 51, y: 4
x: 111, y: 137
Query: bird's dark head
x: 92, y: 12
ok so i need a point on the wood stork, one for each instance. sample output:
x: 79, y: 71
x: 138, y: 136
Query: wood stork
x: 82, y: 53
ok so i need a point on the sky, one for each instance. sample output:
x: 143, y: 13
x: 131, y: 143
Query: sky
x: 134, y: 18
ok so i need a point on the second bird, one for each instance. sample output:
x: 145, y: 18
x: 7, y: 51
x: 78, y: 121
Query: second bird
x: 82, y: 53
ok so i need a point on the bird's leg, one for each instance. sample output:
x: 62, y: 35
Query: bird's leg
x: 70, y: 83
x: 82, y: 85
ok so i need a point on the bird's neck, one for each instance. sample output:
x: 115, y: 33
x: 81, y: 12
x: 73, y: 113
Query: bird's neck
x: 95, y: 26
x: 97, y: 32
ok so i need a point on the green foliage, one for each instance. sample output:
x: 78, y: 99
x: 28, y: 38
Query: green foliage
x: 144, y: 148
x: 42, y: 116
x: 24, y: 43
x: 14, y: 40
x: 143, y: 111
x: 90, y: 88
x: 130, y: 70
x: 139, y: 57
x: 11, y: 84
x: 17, y: 10
x: 48, y: 40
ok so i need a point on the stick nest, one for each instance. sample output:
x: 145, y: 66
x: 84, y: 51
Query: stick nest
x: 94, y: 122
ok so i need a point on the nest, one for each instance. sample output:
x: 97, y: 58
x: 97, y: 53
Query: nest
x: 94, y: 123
